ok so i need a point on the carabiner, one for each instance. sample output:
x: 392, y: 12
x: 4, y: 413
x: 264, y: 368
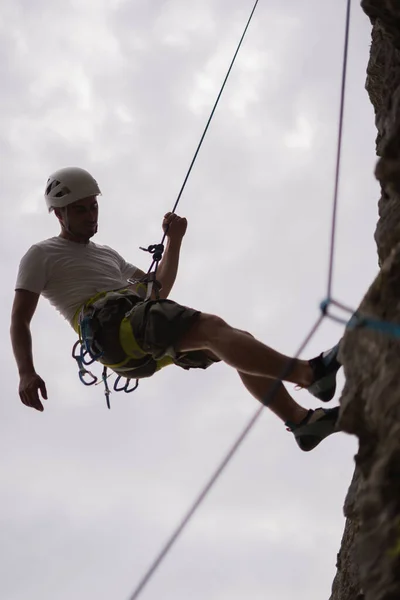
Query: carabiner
x: 125, y: 388
x: 82, y: 374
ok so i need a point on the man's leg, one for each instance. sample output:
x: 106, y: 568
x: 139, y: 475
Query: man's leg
x: 309, y: 427
x: 242, y: 351
x: 281, y: 404
x: 159, y: 326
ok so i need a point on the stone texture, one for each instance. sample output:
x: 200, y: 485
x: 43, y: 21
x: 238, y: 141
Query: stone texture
x: 369, y: 558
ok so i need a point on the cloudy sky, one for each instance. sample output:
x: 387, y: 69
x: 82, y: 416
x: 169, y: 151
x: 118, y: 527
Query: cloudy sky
x: 124, y: 88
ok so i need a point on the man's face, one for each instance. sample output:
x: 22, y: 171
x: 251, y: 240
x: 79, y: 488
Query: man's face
x: 83, y: 216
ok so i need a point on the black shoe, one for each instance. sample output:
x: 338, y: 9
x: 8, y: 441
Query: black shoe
x: 325, y: 366
x: 309, y: 435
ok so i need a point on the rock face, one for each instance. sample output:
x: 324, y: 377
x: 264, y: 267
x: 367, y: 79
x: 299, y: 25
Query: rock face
x: 369, y: 558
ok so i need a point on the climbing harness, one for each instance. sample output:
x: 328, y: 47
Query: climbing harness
x: 86, y: 324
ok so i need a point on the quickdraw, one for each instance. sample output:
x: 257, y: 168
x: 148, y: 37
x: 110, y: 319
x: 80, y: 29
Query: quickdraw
x: 88, y: 378
x: 80, y: 358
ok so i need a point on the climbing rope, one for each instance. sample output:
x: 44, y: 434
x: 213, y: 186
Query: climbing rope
x: 274, y: 388
x: 160, y: 247
x: 355, y: 318
x: 338, y: 154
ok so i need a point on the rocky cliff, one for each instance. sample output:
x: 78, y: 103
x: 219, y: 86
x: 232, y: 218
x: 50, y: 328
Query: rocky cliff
x: 369, y: 558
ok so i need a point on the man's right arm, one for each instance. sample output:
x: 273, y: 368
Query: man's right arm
x: 23, y: 309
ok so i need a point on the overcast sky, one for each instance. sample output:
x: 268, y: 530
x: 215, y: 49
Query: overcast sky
x: 124, y: 89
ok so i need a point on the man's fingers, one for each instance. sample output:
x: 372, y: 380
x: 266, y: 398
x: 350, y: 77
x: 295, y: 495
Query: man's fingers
x: 30, y: 395
x: 34, y: 400
x: 43, y: 390
x: 25, y: 399
x: 38, y: 405
x: 171, y: 217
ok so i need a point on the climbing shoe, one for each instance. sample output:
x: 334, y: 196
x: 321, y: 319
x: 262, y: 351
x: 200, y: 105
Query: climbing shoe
x: 315, y: 427
x: 325, y: 367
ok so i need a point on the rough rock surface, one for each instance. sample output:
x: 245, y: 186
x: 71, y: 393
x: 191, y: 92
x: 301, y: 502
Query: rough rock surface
x: 369, y: 558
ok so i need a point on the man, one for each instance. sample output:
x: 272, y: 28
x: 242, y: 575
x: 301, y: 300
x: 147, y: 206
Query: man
x: 84, y: 280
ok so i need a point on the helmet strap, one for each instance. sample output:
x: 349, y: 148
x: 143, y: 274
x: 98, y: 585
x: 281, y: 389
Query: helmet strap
x: 65, y: 222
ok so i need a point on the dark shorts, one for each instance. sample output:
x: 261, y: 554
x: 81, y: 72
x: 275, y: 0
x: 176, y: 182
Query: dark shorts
x: 157, y: 326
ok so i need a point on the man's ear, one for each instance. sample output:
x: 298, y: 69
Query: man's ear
x: 59, y: 212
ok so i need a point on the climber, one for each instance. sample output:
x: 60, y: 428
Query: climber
x: 82, y: 278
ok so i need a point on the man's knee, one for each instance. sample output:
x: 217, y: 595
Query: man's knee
x: 205, y: 328
x: 211, y: 325
x: 247, y: 333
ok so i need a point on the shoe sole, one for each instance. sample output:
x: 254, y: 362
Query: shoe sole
x: 325, y: 388
x: 309, y: 436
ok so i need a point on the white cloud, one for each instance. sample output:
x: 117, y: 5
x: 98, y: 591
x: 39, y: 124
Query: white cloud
x: 302, y: 136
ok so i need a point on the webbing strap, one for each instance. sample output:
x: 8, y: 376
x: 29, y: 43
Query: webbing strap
x: 152, y: 282
x: 79, y: 313
x: 128, y: 341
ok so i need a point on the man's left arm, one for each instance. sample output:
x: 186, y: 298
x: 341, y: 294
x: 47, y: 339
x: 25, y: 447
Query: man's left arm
x: 175, y: 228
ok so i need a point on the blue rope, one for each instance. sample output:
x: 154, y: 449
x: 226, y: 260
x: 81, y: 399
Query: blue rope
x: 391, y: 329
x: 358, y: 320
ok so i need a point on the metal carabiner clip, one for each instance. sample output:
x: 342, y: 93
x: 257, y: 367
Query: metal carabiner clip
x: 83, y: 373
x: 125, y: 388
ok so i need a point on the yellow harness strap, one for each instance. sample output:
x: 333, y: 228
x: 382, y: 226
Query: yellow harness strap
x: 81, y: 310
x: 132, y: 348
x: 128, y: 341
x: 126, y: 337
x: 90, y: 302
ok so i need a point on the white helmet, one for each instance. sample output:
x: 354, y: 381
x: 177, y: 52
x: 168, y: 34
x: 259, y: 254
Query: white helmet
x: 68, y: 185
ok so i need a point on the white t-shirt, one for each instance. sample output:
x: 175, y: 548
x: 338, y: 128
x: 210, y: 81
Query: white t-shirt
x: 68, y: 273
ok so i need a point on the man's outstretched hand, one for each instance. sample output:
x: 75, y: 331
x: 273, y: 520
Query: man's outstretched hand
x: 29, y: 386
x: 174, y: 227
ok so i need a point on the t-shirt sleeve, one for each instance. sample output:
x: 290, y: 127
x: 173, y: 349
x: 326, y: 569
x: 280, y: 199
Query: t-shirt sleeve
x: 127, y: 269
x: 32, y: 272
